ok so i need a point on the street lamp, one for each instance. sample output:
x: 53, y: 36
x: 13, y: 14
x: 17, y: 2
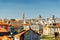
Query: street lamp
x: 11, y: 32
x: 12, y: 36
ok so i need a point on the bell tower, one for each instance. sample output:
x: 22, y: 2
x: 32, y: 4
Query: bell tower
x: 40, y: 18
x: 24, y: 22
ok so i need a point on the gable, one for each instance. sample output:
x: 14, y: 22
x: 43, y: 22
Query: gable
x: 31, y: 35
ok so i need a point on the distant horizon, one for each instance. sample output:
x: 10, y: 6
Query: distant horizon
x: 30, y: 18
x: 14, y: 9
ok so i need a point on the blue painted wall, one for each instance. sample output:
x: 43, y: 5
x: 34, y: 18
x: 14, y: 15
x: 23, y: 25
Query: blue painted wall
x: 31, y: 35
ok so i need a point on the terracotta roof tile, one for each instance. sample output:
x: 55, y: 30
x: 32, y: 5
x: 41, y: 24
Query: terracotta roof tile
x: 4, y: 38
x: 57, y: 25
x: 18, y: 35
x: 3, y: 30
x: 26, y: 24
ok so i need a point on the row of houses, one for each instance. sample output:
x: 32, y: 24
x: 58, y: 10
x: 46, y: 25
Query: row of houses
x: 27, y: 30
x: 38, y: 26
x: 27, y: 33
x: 18, y: 24
x: 24, y: 35
x: 51, y: 29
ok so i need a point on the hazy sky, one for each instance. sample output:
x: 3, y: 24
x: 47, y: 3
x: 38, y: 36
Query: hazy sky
x: 31, y: 8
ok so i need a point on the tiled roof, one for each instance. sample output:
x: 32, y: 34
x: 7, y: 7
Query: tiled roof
x: 16, y: 23
x: 2, y: 23
x: 5, y: 24
x: 3, y: 30
x: 26, y: 24
x: 57, y: 25
x: 5, y: 38
x: 19, y: 35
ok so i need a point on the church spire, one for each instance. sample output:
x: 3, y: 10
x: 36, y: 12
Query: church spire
x: 40, y: 18
x: 24, y: 18
x: 54, y: 18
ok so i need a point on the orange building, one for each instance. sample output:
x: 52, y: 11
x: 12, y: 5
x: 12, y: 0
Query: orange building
x: 4, y: 25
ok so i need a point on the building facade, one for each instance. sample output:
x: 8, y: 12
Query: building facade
x: 51, y: 29
x: 28, y: 35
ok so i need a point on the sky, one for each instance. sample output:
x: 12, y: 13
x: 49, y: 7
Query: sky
x: 14, y: 9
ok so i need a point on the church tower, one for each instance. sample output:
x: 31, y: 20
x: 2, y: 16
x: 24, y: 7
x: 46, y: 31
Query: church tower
x: 40, y: 18
x: 24, y: 22
x: 53, y: 18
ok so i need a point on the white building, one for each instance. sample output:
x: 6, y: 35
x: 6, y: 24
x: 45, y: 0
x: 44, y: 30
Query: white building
x: 51, y: 29
x: 26, y: 26
x: 35, y: 27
